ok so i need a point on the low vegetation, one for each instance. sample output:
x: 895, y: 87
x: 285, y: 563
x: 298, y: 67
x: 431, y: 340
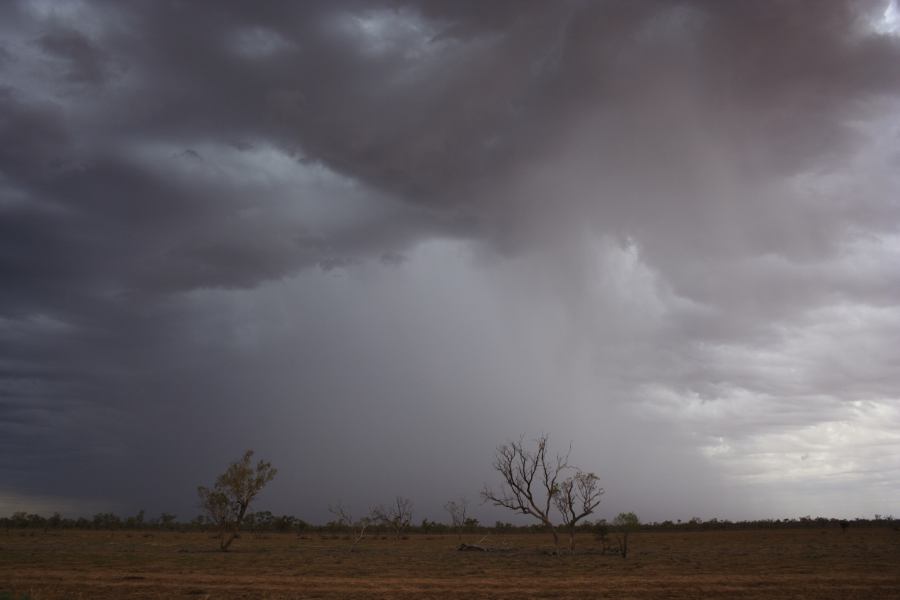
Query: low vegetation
x: 267, y: 522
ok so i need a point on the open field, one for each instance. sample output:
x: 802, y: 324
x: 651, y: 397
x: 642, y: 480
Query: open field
x: 815, y: 563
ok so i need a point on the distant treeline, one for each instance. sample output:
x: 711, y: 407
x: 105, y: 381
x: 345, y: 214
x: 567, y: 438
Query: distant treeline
x: 265, y: 521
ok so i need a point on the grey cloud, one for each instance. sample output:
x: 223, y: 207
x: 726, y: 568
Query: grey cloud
x: 203, y: 210
x: 86, y: 62
x: 32, y: 135
x: 409, y: 126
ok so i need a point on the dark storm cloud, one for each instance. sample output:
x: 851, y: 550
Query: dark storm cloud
x: 433, y: 105
x: 167, y: 167
x: 85, y: 62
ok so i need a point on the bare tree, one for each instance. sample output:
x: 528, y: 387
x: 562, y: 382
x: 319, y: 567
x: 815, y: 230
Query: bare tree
x: 227, y: 502
x: 457, y: 510
x: 397, y: 516
x: 534, y: 483
x: 345, y: 519
x: 530, y: 481
x: 577, y: 498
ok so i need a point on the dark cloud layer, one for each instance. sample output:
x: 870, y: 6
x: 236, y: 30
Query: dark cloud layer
x: 374, y: 239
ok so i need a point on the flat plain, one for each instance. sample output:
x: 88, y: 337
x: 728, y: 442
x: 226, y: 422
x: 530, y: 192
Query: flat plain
x: 782, y: 563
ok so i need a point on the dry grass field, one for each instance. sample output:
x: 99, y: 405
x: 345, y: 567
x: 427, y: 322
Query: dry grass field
x: 862, y: 563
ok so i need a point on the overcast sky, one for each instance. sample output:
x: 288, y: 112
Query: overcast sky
x: 373, y: 240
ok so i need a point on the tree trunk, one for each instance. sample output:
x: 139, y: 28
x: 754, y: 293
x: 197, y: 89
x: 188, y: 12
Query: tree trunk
x: 228, y: 535
x: 555, y: 538
x: 571, y: 540
x: 227, y: 538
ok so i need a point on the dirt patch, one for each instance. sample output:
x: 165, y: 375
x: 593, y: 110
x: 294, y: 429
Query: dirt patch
x: 747, y: 564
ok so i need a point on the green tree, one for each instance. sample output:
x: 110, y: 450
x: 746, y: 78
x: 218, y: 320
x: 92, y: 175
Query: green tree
x: 284, y: 522
x: 227, y: 502
x: 135, y: 522
x: 167, y: 520
x: 626, y: 523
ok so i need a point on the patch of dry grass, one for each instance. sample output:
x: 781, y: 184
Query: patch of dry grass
x: 864, y: 563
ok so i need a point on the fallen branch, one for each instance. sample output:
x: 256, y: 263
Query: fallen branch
x: 476, y: 547
x: 472, y: 548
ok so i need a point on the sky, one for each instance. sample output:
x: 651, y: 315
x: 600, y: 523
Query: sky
x: 374, y: 240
